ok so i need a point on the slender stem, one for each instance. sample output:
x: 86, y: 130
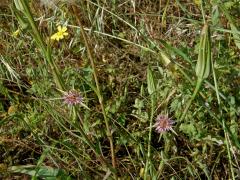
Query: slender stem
x: 149, y: 139
x: 90, y: 143
x: 198, y: 85
x: 37, y: 35
x: 43, y: 46
x: 202, y: 11
x: 228, y: 149
x: 215, y: 82
x: 99, y: 94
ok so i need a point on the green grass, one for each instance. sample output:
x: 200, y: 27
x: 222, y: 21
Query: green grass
x: 130, y: 61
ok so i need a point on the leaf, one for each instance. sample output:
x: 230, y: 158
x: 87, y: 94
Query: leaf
x: 18, y: 5
x: 204, y: 54
x: 236, y: 35
x: 138, y: 103
x: 188, y: 129
x: 46, y: 172
x: 215, y: 15
x: 165, y: 58
x: 22, y: 22
x: 226, y: 10
x: 150, y: 81
x: 176, y: 51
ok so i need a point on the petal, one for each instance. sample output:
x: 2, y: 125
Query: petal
x: 64, y: 29
x: 59, y: 28
x: 16, y: 33
x: 65, y: 33
x: 61, y: 36
x: 53, y: 37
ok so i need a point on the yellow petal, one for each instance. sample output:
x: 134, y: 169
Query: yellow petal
x: 61, y: 36
x: 197, y: 2
x: 53, y: 37
x: 59, y: 28
x: 65, y: 33
x: 16, y: 33
x: 12, y: 109
x: 64, y: 29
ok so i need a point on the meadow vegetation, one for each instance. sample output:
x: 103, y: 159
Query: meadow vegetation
x: 108, y: 89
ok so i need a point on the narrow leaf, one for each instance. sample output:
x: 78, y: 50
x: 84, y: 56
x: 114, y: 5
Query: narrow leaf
x: 204, y: 54
x: 150, y: 81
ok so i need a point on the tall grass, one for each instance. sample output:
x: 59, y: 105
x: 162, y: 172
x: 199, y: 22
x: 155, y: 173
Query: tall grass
x: 129, y: 63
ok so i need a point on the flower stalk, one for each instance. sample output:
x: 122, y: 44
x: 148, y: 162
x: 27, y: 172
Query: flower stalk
x: 152, y: 92
x: 203, y: 64
x: 23, y: 7
x: 98, y: 90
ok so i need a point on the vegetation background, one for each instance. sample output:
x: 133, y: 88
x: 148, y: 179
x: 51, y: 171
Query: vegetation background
x: 83, y: 84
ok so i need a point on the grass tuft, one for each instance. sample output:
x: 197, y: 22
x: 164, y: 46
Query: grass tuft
x: 119, y: 89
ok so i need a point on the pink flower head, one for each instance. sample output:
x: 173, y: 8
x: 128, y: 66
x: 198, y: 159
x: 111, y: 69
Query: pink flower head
x: 72, y: 98
x: 163, y: 123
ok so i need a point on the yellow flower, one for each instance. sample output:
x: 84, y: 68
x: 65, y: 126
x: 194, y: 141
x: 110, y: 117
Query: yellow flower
x: 12, y: 109
x: 198, y: 2
x: 62, y: 31
x: 16, y: 33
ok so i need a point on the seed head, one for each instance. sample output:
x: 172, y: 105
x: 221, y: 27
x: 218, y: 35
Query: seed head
x: 163, y: 123
x: 72, y: 98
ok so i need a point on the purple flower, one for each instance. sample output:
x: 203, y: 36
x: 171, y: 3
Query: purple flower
x: 72, y: 98
x: 163, y: 123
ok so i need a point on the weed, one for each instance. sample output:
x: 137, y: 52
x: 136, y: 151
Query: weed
x: 122, y: 90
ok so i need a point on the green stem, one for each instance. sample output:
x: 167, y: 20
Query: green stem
x: 55, y: 71
x: 99, y: 94
x: 215, y: 83
x: 46, y: 50
x: 149, y: 139
x: 198, y: 85
x: 202, y: 11
x: 37, y: 35
x: 92, y: 146
x: 228, y: 149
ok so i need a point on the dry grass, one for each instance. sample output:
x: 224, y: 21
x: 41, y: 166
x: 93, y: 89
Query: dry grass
x: 40, y: 134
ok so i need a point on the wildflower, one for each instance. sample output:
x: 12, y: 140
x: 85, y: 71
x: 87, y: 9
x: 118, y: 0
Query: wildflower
x: 163, y: 123
x: 72, y: 98
x: 197, y: 2
x: 16, y: 33
x: 62, y: 31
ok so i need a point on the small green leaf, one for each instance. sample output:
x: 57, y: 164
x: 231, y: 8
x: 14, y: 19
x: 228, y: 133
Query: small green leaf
x: 188, y: 129
x: 45, y: 172
x: 215, y: 15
